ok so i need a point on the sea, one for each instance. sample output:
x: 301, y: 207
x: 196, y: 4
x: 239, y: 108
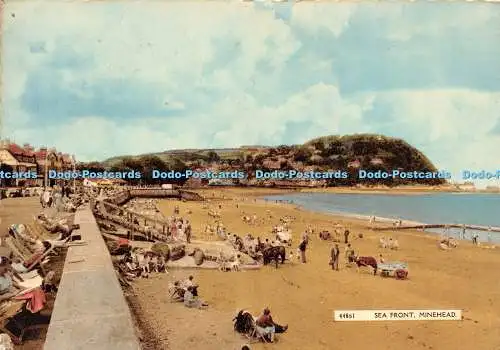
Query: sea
x: 436, y: 208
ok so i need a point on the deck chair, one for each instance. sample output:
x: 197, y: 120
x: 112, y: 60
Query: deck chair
x: 8, y: 315
x: 41, y: 259
x: 9, y: 242
x: 9, y: 309
x: 36, y: 229
x: 258, y: 333
x: 21, y: 247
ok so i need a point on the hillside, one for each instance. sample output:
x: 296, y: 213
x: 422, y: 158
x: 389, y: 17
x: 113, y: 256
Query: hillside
x: 347, y: 153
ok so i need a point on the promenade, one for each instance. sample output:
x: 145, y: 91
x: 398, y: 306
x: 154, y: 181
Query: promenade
x: 90, y: 311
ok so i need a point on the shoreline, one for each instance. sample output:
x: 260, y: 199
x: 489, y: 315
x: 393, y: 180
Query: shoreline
x: 365, y: 219
x: 398, y: 190
x: 259, y: 193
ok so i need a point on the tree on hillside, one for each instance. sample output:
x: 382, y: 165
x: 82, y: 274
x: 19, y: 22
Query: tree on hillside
x: 149, y: 164
x: 213, y: 157
x: 91, y: 166
x: 302, y: 154
x: 132, y: 163
x: 319, y: 145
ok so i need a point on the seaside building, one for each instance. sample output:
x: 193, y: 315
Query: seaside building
x: 14, y: 158
x: 25, y: 158
x: 270, y: 164
x: 49, y: 159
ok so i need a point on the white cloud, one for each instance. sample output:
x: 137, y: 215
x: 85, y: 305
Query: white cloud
x: 454, y: 126
x: 173, y: 45
x: 312, y: 16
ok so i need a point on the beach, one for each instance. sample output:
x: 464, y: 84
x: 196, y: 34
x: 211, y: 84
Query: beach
x: 304, y: 296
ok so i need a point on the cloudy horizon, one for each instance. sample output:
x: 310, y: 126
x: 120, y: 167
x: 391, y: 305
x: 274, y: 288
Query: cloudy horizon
x: 105, y: 79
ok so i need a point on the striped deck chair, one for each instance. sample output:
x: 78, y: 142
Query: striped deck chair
x: 9, y: 242
x: 259, y: 333
x: 36, y: 229
x: 21, y: 247
x: 40, y: 260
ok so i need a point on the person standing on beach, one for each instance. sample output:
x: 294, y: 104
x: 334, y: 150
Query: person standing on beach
x: 346, y: 236
x: 302, y: 248
x: 334, y: 254
x: 42, y: 201
x: 47, y: 198
x: 188, y: 232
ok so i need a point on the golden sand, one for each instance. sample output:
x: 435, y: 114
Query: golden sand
x: 305, y: 295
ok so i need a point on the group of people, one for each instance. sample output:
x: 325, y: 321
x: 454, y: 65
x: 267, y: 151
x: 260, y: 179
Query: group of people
x: 142, y: 264
x: 54, y: 197
x: 187, y: 292
x: 262, y: 326
x: 335, y: 255
x: 180, y: 229
x: 218, y: 228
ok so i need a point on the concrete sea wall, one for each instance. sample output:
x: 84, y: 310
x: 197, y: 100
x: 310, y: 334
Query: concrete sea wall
x: 90, y: 311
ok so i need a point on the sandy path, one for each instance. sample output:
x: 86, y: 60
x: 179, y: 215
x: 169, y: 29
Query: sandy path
x: 305, y: 296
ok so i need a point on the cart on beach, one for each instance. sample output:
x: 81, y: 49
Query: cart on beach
x: 398, y: 270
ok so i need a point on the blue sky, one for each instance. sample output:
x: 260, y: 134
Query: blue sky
x: 100, y: 79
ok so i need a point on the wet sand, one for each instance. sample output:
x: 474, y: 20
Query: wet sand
x: 305, y: 295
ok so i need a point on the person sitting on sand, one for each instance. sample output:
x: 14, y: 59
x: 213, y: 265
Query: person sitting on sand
x: 443, y: 246
x: 266, y: 322
x: 381, y: 259
x: 189, y: 282
x: 161, y: 264
x: 191, y: 300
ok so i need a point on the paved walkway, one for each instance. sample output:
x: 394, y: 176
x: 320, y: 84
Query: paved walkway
x: 90, y: 310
